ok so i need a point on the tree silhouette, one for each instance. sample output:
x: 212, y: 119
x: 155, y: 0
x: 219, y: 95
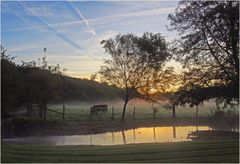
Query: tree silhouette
x: 9, y: 83
x: 208, y: 49
x: 133, y: 64
x: 40, y: 83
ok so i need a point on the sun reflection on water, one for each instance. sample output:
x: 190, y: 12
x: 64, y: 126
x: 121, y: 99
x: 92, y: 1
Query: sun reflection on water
x: 131, y: 136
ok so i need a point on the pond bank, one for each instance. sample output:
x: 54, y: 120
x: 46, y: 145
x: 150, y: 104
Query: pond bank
x: 205, y: 135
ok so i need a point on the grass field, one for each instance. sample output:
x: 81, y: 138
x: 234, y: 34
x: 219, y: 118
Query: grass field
x: 80, y: 111
x: 77, y: 119
x: 208, y: 151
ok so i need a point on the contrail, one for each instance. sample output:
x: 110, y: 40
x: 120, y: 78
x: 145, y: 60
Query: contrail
x: 65, y: 38
x: 83, y: 18
x: 21, y: 17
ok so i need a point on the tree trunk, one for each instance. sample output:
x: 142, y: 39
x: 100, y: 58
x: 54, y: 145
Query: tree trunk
x: 134, y: 112
x: 196, y: 111
x: 124, y: 137
x: 29, y: 109
x: 3, y: 110
x: 63, y: 113
x: 174, y: 132
x: 40, y: 110
x: 173, y: 111
x: 112, y: 113
x: 124, y: 110
x: 154, y: 113
x: 44, y: 111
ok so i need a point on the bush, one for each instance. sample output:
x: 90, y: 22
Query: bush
x: 225, y: 119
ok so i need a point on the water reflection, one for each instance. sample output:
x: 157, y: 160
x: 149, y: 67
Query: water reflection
x: 154, y: 134
x: 139, y: 135
x: 123, y: 136
x: 134, y: 135
x: 91, y: 139
x: 113, y: 137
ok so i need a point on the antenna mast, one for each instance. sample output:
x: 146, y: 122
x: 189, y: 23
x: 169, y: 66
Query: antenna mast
x: 44, y: 52
x: 44, y: 57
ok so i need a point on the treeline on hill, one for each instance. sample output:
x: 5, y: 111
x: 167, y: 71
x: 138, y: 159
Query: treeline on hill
x: 30, y: 83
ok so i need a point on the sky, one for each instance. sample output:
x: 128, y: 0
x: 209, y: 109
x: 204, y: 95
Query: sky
x: 72, y: 30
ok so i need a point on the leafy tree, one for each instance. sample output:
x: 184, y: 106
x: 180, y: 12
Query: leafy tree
x: 37, y: 82
x: 93, y: 76
x: 208, y: 49
x: 27, y: 83
x: 164, y: 88
x: 133, y: 64
x: 8, y: 83
x: 41, y: 83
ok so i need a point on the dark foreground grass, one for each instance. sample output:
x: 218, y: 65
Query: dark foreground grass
x: 202, y: 151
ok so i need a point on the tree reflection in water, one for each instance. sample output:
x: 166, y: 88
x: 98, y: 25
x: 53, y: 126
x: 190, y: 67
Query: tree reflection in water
x: 124, y: 138
x: 174, y: 132
x: 138, y: 135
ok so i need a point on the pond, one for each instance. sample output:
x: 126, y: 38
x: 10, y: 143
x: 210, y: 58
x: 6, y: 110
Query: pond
x: 138, y: 135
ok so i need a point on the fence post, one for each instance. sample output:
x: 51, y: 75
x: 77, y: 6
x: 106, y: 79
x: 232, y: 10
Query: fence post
x: 29, y: 109
x: 90, y: 116
x: 45, y: 111
x: 134, y: 112
x: 154, y: 113
x: 112, y: 113
x: 40, y: 113
x: 173, y: 112
x: 63, y: 113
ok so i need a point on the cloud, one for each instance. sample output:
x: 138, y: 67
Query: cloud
x: 145, y: 13
x: 101, y: 21
x: 42, y: 10
x: 83, y: 18
x: 62, y: 36
x: 149, y: 12
x: 29, y: 47
x: 81, y: 63
x: 24, y: 28
x: 92, y: 47
x: 77, y: 66
x: 111, y: 18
